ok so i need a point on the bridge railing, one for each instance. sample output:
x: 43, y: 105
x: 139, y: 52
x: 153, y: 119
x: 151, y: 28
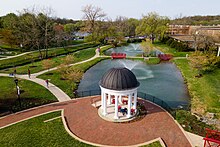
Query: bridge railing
x: 145, y: 96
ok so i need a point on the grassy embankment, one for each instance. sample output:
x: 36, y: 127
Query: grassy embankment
x: 37, y: 66
x: 204, y: 91
x: 34, y: 56
x: 66, y: 85
x: 167, y: 49
x: 30, y: 95
x: 39, y: 133
x: 8, y: 50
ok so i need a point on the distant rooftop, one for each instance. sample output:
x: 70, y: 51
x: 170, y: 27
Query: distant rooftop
x: 184, y: 38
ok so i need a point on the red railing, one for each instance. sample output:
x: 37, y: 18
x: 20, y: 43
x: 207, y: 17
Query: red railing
x: 118, y: 55
x: 165, y: 57
x: 212, y: 138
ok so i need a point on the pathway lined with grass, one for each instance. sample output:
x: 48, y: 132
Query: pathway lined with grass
x: 85, y: 125
x: 56, y: 91
x: 9, y: 57
x: 55, y: 68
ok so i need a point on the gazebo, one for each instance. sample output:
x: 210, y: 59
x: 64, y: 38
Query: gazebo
x: 118, y: 89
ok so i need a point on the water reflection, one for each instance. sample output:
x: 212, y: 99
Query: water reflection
x: 162, y: 80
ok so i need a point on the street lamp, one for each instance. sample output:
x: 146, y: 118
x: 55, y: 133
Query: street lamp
x: 18, y: 91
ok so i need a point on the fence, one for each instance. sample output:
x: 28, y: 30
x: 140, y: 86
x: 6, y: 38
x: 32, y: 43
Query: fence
x: 145, y: 96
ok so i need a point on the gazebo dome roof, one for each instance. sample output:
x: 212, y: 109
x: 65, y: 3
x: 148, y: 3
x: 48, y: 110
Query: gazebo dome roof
x: 119, y: 79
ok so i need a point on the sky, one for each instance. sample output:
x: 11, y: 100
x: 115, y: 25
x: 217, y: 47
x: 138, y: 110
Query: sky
x: 71, y: 9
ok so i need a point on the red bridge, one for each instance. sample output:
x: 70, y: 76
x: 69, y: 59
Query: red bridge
x: 165, y: 57
x: 118, y: 55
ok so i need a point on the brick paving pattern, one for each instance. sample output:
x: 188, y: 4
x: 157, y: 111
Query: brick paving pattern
x: 83, y: 120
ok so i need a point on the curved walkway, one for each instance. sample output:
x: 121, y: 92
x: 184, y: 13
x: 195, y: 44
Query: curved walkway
x: 57, y: 92
x: 9, y: 57
x: 87, y: 125
x: 44, y: 71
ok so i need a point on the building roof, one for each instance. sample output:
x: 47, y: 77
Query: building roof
x: 119, y: 79
x: 184, y: 38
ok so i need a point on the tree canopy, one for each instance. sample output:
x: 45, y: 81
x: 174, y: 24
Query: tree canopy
x: 153, y: 25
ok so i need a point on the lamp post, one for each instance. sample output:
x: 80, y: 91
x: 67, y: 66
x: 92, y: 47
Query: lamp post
x: 18, y: 91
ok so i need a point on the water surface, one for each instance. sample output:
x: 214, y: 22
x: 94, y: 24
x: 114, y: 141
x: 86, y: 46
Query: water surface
x: 162, y: 80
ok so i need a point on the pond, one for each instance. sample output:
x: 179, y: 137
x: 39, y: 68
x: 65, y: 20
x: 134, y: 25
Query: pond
x: 163, y: 80
x: 130, y: 50
x: 133, y: 49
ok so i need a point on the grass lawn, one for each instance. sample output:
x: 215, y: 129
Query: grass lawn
x: 105, y: 48
x: 204, y: 91
x: 153, y: 60
x: 30, y: 95
x: 66, y: 85
x: 36, y: 132
x: 154, y: 144
x: 34, y: 56
x: 37, y: 66
x: 167, y: 49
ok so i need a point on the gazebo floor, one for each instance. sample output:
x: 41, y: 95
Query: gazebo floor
x: 111, y: 113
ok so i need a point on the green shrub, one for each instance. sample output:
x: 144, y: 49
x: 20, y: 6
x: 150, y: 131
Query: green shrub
x: 190, y: 123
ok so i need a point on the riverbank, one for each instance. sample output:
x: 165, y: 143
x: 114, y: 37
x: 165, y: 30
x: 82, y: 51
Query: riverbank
x: 204, y: 91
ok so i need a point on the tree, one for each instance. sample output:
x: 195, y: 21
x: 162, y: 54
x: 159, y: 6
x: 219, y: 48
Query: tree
x: 71, y: 27
x: 132, y: 24
x: 8, y: 37
x: 60, y: 35
x: 203, y: 61
x: 46, y: 22
x: 9, y: 21
x: 153, y: 25
x: 203, y: 41
x: 28, y: 31
x: 8, y: 31
x: 92, y: 14
x: 73, y: 76
x: 147, y: 46
x: 68, y: 60
x: 47, y: 64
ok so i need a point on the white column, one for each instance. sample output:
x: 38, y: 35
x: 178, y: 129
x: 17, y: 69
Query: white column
x: 129, y: 106
x: 116, y: 107
x: 135, y: 101
x: 102, y: 100
x: 109, y: 99
x: 218, y: 51
x: 105, y: 105
x: 120, y: 99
